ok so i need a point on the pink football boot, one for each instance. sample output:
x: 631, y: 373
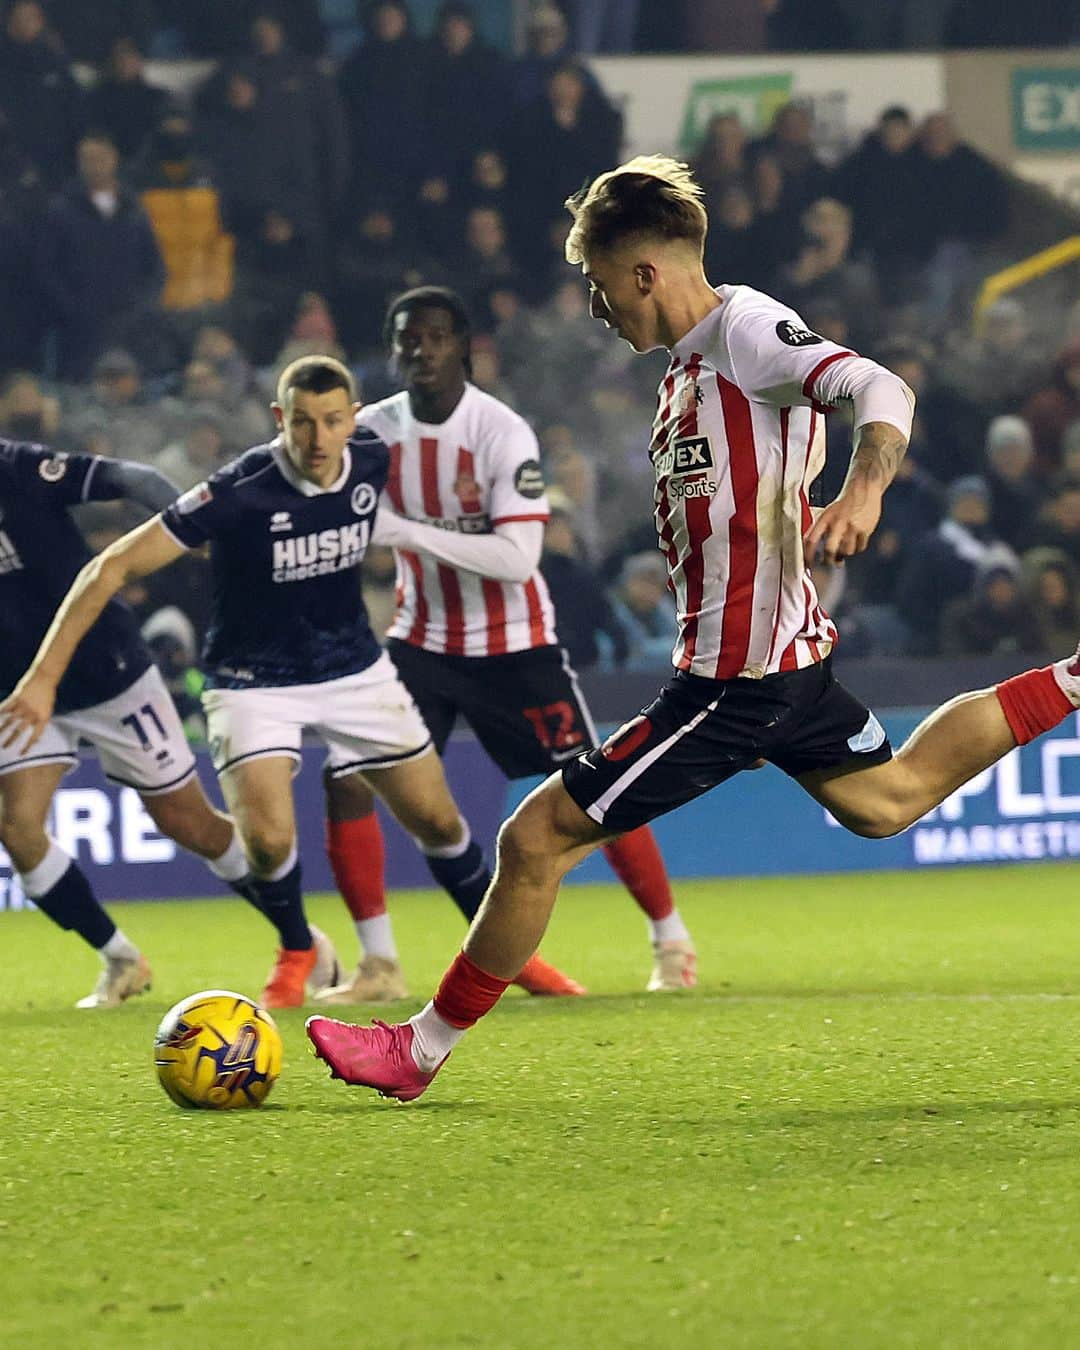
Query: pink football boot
x: 378, y: 1056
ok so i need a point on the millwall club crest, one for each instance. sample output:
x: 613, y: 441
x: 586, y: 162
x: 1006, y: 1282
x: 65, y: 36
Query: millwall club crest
x: 467, y: 491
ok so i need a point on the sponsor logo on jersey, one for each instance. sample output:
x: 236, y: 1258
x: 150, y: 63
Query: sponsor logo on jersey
x: 9, y: 555
x: 462, y: 524
x: 689, y: 454
x: 467, y: 491
x: 529, y: 479
x: 684, y: 490
x: 195, y: 497
x: 280, y: 520
x: 793, y: 336
x: 363, y: 498
x: 321, y: 552
x: 53, y: 468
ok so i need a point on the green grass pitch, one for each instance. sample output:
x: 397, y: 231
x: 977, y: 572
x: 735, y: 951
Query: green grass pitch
x: 863, y: 1130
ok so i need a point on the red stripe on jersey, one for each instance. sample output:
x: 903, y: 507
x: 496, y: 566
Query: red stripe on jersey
x: 742, y: 531
x: 495, y: 606
x: 393, y: 479
x: 466, y: 488
x: 663, y: 506
x: 509, y: 520
x: 698, y: 529
x: 812, y: 378
x: 785, y: 415
x: 536, y: 614
x: 455, y: 610
x: 429, y: 476
x: 418, y: 631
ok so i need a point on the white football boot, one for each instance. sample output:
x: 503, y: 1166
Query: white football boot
x: 327, y: 970
x: 120, y: 978
x: 674, y: 967
x: 377, y: 979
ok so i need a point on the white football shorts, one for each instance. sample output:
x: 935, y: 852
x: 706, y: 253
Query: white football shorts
x: 367, y: 721
x: 137, y: 735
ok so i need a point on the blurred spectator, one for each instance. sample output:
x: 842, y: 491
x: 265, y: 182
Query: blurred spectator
x: 997, y: 366
x: 90, y: 31
x: 1070, y: 456
x: 307, y: 114
x: 197, y: 453
x: 947, y: 435
x: 565, y: 137
x: 22, y: 206
x: 1014, y: 492
x: 547, y: 46
x: 776, y: 224
x: 113, y: 418
x: 180, y: 198
x: 170, y: 635
x: 605, y: 25
x: 313, y: 333
x: 1050, y: 585
x: 730, y: 246
x: 645, y: 611
x: 211, y: 389
x: 98, y: 261
x: 487, y: 182
x: 1058, y: 525
x: 272, y: 272
x: 374, y: 265
x: 721, y: 157
x: 487, y: 369
x: 380, y: 84
x: 911, y: 510
x: 584, y: 617
x: 123, y: 102
x: 552, y: 349
x: 1053, y: 407
x: 995, y: 617
x: 26, y: 412
x: 795, y: 26
x: 791, y: 139
x: 467, y: 91
x: 945, y: 563
x: 486, y: 264
x: 42, y: 101
x: 825, y: 270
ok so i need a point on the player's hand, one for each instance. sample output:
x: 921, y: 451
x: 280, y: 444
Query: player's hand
x: 25, y: 713
x: 844, y: 527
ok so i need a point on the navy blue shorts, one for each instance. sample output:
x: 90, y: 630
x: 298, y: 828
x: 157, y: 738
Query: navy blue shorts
x: 699, y: 732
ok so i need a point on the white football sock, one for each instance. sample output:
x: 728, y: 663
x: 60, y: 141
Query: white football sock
x: 42, y: 878
x: 119, y: 948
x: 448, y: 850
x: 233, y: 863
x: 1068, y: 679
x: 377, y: 937
x: 671, y: 929
x: 285, y: 868
x: 433, y: 1038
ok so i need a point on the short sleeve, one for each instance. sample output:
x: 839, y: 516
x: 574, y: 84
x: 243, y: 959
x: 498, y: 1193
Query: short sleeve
x: 203, y: 512
x: 48, y: 475
x: 517, y: 480
x: 776, y: 358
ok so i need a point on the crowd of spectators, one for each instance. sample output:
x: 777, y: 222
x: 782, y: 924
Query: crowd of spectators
x: 161, y: 258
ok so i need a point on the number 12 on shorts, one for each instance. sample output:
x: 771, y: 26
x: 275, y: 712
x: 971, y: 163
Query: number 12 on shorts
x: 553, y: 725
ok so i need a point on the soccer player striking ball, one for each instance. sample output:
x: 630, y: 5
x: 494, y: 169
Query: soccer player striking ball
x: 474, y: 633
x: 289, y: 647
x: 112, y: 695
x: 737, y: 440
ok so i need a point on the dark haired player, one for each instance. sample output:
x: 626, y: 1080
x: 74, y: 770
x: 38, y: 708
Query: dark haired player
x: 289, y: 647
x: 475, y: 631
x: 112, y: 695
x: 737, y: 440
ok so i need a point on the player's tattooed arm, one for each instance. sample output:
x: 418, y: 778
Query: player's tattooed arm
x: 27, y: 709
x: 844, y: 527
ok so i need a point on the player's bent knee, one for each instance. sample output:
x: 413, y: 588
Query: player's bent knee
x: 268, y: 849
x: 883, y: 821
x: 22, y: 837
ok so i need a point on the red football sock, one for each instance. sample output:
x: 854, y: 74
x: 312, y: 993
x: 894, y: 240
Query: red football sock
x: 637, y: 863
x: 467, y: 993
x: 357, y: 859
x: 1033, y: 702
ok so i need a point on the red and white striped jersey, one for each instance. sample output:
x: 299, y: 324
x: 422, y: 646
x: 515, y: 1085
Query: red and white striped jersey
x: 478, y: 469
x: 737, y: 441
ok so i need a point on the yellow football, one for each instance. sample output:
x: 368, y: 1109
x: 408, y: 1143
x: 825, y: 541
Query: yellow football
x: 217, y: 1050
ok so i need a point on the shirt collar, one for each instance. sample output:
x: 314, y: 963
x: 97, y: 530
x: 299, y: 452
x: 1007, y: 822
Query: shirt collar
x: 304, y: 485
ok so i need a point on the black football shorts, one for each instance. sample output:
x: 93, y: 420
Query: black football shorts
x: 699, y: 732
x: 525, y: 707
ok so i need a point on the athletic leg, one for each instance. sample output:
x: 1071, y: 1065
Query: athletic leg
x: 957, y: 741
x: 58, y: 886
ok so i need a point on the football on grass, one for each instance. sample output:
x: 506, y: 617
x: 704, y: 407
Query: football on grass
x: 217, y: 1050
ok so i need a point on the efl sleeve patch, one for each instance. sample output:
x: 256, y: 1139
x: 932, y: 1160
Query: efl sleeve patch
x: 793, y: 336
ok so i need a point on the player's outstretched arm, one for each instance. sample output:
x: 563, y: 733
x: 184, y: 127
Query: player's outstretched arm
x: 511, y: 552
x: 29, y: 706
x: 844, y: 527
x: 122, y: 478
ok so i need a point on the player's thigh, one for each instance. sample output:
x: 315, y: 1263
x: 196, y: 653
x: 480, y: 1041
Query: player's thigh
x: 138, y: 736
x: 259, y: 796
x: 25, y: 795
x: 528, y: 711
x: 369, y: 721
x: 348, y: 796
x: 549, y: 832
x: 246, y: 725
x: 418, y: 796
x: 186, y: 815
x: 874, y: 801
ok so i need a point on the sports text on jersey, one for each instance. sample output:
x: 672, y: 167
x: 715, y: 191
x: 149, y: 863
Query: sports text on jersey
x: 319, y: 553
